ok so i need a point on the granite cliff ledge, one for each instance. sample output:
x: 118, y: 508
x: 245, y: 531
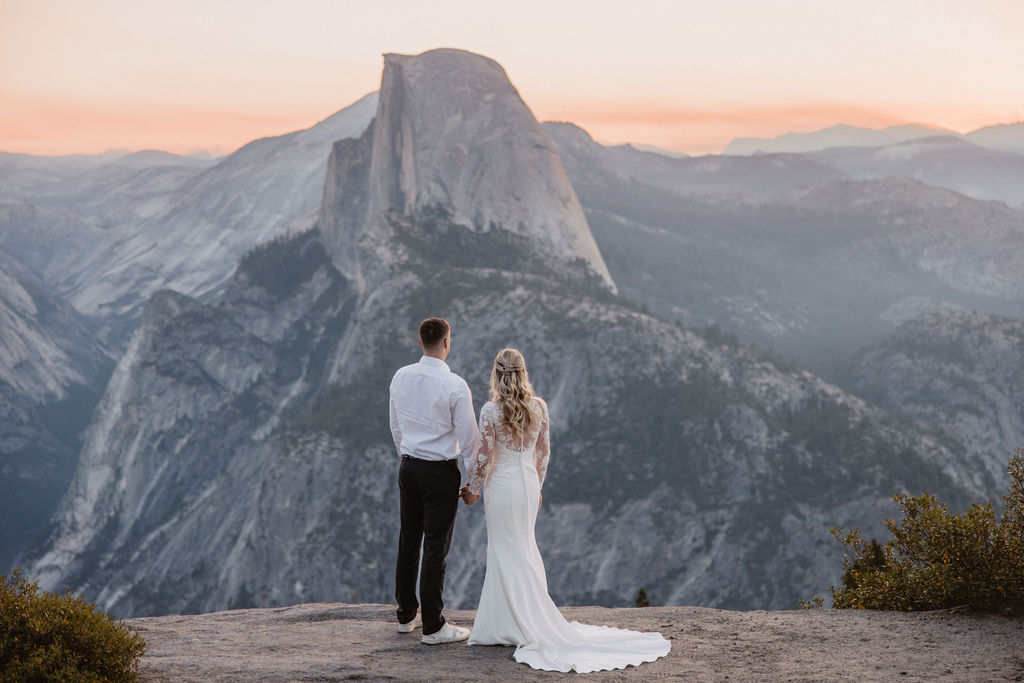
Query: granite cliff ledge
x: 334, y: 642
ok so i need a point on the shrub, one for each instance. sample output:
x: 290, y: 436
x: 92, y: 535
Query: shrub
x: 938, y: 560
x: 641, y: 599
x: 49, y: 637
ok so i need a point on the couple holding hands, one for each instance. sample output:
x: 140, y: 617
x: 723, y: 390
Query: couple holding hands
x: 505, y: 455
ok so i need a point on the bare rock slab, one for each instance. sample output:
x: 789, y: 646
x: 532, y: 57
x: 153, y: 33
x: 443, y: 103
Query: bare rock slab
x: 335, y: 642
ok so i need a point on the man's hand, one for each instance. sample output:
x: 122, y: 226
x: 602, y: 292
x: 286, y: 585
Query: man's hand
x: 468, y: 497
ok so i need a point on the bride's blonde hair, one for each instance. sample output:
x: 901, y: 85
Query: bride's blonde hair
x: 511, y: 389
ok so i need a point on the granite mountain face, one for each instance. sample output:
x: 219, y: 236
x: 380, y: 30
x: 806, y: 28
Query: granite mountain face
x: 154, y: 220
x: 959, y: 370
x: 52, y: 371
x: 453, y: 138
x: 241, y: 453
x: 86, y: 240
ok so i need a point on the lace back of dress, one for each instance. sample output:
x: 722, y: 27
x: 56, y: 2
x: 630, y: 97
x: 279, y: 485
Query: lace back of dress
x: 499, y: 444
x: 524, y: 443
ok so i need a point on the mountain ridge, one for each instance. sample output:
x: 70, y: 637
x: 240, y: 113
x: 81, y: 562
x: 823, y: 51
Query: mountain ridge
x: 1005, y: 137
x: 452, y: 135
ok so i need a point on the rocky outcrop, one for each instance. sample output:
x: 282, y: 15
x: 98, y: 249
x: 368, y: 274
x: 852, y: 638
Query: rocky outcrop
x: 328, y: 641
x: 52, y: 371
x: 190, y: 369
x: 961, y: 372
x: 452, y: 137
x: 45, y: 345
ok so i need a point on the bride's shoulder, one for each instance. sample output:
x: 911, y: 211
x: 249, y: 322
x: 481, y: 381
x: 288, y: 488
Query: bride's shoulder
x: 489, y: 408
x: 540, y: 404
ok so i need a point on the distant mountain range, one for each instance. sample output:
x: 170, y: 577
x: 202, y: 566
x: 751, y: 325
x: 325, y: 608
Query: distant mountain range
x: 158, y: 220
x: 786, y: 250
x: 669, y: 308
x: 955, y: 163
x: 1008, y: 137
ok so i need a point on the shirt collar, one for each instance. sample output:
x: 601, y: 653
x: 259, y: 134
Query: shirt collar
x: 434, y: 362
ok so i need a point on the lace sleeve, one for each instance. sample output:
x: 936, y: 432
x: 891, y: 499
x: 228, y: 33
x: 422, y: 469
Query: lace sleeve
x: 486, y: 447
x: 543, y: 450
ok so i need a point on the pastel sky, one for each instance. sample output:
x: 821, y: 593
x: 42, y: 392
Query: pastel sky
x: 83, y: 76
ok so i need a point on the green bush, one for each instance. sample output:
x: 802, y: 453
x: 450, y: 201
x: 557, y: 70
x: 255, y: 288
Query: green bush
x: 49, y: 637
x: 937, y: 560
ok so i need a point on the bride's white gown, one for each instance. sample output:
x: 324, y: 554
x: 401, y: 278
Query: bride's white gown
x: 515, y: 608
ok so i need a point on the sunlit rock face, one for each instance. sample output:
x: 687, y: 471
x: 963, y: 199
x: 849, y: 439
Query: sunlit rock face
x: 453, y: 137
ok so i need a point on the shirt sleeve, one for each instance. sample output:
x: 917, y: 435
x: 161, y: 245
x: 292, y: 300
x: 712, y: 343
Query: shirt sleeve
x: 543, y: 449
x: 396, y: 429
x: 486, y: 446
x: 465, y: 424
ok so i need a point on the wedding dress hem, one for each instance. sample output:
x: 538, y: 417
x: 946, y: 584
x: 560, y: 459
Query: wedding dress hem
x: 515, y: 608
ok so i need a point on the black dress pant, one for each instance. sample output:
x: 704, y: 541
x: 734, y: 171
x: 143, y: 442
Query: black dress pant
x: 429, y: 496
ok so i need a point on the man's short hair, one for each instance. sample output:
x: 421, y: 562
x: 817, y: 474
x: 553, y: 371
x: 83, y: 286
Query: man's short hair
x: 433, y: 331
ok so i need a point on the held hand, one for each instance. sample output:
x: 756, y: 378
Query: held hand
x: 467, y: 497
x: 541, y: 501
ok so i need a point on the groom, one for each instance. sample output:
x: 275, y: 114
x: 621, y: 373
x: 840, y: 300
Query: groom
x: 433, y: 424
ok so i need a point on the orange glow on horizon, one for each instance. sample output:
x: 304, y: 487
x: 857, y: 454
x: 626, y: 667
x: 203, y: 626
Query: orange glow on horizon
x: 91, y: 128
x: 710, y: 128
x: 689, y: 77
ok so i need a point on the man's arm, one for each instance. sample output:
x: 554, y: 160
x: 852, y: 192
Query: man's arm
x: 465, y: 425
x: 396, y: 429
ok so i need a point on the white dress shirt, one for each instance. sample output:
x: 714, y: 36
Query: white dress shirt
x: 432, y: 413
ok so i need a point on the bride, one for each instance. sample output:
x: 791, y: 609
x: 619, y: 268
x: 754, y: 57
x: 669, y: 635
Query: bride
x: 515, y: 608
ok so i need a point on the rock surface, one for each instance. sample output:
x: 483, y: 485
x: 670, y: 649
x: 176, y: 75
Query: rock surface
x: 958, y: 370
x: 52, y: 371
x: 451, y: 135
x: 333, y: 641
x: 178, y: 226
x: 795, y: 252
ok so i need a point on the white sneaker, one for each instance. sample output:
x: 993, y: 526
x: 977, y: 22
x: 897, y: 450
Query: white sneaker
x: 411, y: 626
x: 449, y: 633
